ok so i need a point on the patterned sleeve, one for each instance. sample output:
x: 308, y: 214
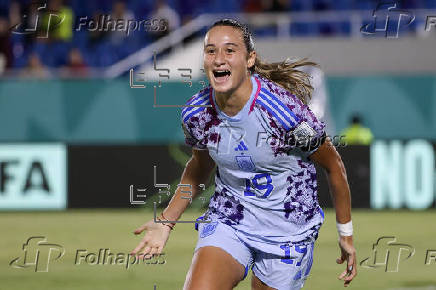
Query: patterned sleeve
x: 190, y: 139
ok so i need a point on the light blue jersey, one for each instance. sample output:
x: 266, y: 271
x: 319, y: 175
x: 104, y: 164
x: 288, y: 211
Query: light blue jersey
x: 265, y: 186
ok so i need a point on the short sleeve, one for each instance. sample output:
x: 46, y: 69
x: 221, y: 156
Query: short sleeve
x: 190, y: 138
x: 309, y: 133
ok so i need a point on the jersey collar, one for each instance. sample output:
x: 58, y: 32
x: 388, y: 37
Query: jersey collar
x: 248, y: 107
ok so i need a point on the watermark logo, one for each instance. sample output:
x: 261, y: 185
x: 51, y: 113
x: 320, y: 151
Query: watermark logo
x: 54, y: 20
x: 42, y: 21
x: 37, y: 254
x: 107, y: 23
x: 388, y: 254
x: 430, y: 22
x: 388, y: 19
x: 430, y: 257
x: 107, y: 257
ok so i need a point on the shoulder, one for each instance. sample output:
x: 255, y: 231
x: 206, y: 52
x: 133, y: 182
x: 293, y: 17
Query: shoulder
x: 197, y: 104
x: 279, y: 103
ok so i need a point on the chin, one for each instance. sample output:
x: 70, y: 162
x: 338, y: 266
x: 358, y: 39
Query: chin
x: 222, y: 88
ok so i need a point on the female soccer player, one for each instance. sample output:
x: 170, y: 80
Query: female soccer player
x: 263, y: 138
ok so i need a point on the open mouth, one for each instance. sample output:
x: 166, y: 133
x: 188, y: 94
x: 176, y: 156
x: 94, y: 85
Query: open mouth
x: 221, y: 75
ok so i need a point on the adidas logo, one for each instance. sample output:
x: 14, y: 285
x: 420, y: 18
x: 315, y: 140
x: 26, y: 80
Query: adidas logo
x: 241, y: 147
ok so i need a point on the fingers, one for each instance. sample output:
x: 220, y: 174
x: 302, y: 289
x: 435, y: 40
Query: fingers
x: 139, y: 247
x: 342, y: 258
x: 343, y: 274
x: 350, y: 271
x: 153, y: 251
x: 150, y: 252
x: 145, y: 252
x: 140, y: 229
x: 144, y: 240
x: 153, y: 241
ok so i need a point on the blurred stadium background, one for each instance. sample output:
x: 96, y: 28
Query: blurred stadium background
x: 90, y: 134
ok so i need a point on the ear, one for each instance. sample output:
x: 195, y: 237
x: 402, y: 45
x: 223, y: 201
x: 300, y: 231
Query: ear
x: 251, y: 59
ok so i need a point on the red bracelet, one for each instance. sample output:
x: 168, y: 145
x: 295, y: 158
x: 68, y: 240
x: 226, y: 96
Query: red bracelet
x: 165, y: 224
x: 163, y: 218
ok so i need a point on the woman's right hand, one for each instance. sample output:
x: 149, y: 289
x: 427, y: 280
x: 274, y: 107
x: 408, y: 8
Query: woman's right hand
x: 154, y: 240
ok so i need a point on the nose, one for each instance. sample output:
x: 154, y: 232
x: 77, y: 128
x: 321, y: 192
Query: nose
x: 219, y: 57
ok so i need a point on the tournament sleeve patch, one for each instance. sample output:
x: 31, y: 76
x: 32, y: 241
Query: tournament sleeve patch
x: 303, y: 130
x: 306, y: 138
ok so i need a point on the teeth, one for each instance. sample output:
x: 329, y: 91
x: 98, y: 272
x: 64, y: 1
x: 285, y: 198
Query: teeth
x: 221, y: 73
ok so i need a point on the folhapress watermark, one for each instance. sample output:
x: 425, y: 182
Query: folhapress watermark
x: 105, y: 23
x: 388, y: 254
x: 299, y: 141
x: 106, y: 257
x: 54, y: 20
x: 430, y: 23
x: 38, y: 254
x: 388, y: 19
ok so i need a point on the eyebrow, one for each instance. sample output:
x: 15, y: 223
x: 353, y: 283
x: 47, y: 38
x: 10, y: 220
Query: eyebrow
x: 227, y: 43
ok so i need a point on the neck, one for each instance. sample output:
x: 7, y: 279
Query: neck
x: 232, y: 102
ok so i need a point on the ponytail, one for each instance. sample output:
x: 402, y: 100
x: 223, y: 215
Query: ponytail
x: 287, y: 75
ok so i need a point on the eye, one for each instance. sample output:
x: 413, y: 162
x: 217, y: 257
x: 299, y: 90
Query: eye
x: 210, y: 51
x: 229, y: 50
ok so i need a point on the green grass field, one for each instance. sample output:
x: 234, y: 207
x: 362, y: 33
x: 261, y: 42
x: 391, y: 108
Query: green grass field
x: 112, y: 229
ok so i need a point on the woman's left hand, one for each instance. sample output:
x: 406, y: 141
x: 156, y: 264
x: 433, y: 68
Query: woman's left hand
x: 348, y: 253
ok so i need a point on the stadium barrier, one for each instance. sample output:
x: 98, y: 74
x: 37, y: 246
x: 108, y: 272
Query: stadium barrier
x: 110, y: 112
x: 387, y: 174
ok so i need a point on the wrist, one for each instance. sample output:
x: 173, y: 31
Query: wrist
x: 164, y: 221
x: 169, y: 215
x: 345, y: 230
x: 166, y: 227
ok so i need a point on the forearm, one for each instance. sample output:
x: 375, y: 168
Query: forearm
x: 340, y: 193
x: 194, y: 174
